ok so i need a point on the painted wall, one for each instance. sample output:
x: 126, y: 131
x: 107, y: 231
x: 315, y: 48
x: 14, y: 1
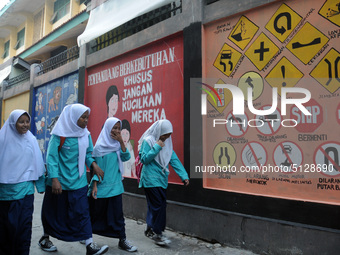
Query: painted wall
x: 20, y: 101
x: 49, y: 100
x: 149, y: 82
x: 287, y: 44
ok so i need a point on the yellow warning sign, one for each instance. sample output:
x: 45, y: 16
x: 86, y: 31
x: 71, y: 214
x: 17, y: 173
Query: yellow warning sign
x: 331, y: 11
x: 251, y: 80
x: 243, y: 32
x: 227, y: 59
x: 327, y: 71
x: 283, y: 22
x: 224, y: 154
x: 261, y: 51
x: 284, y: 74
x: 224, y: 99
x: 307, y: 42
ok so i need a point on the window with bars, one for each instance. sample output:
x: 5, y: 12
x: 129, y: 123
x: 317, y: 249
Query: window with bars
x: 136, y: 25
x: 20, y: 39
x: 61, y: 8
x: 6, y: 50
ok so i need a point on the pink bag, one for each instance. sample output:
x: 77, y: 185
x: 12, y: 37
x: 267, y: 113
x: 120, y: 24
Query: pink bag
x: 139, y: 166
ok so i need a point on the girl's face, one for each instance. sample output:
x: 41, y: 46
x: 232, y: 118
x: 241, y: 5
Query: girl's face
x: 23, y: 124
x: 116, y: 129
x: 113, y: 105
x: 125, y: 136
x: 82, y: 121
x: 164, y: 137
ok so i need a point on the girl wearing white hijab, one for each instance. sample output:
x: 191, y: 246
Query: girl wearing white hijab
x: 106, y: 207
x: 65, y: 210
x: 21, y: 167
x: 156, y: 153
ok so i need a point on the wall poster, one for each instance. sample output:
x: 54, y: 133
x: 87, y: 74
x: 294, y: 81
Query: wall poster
x: 139, y: 88
x: 287, y: 153
x: 48, y: 103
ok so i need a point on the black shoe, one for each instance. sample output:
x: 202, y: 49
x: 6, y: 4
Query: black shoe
x: 126, y: 246
x: 93, y: 249
x: 149, y: 232
x: 161, y: 240
x: 46, y: 245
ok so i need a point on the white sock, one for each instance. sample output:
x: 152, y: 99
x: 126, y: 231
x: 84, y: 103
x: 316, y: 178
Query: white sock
x: 88, y: 241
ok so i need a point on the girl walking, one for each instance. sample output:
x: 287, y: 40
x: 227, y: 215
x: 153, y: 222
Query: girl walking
x: 105, y: 197
x: 156, y: 153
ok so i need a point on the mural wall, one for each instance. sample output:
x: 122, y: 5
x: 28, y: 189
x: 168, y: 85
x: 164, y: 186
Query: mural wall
x: 289, y: 44
x: 49, y: 101
x: 139, y: 88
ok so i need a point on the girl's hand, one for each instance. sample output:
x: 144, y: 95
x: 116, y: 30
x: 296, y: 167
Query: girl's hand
x: 94, y: 190
x: 186, y: 182
x: 160, y: 143
x: 97, y: 171
x: 56, y: 186
x: 118, y: 136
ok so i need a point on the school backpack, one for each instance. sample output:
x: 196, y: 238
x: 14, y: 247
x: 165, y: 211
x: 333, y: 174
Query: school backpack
x: 139, y: 166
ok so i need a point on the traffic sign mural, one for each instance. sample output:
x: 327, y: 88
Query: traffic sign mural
x: 237, y: 125
x: 261, y: 51
x: 283, y: 22
x: 224, y: 96
x: 330, y: 11
x: 243, y: 32
x: 288, y: 156
x: 284, y: 74
x: 227, y: 59
x: 308, y: 123
x: 251, y: 80
x: 327, y: 157
x: 254, y: 155
x: 327, y: 71
x: 268, y: 124
x: 224, y: 154
x: 307, y: 42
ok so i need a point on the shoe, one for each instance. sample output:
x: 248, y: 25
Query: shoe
x: 126, y: 246
x: 46, y: 245
x: 82, y: 241
x: 93, y: 249
x: 161, y: 240
x: 149, y: 232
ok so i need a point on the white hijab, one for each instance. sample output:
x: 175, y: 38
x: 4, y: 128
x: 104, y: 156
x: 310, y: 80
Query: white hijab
x: 67, y: 126
x: 20, y: 156
x: 105, y: 144
x: 151, y: 136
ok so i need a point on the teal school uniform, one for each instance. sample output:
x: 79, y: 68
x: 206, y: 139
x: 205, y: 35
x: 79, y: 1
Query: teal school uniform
x: 106, y: 211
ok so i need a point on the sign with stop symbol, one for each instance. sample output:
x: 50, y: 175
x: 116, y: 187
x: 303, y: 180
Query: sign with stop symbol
x: 308, y: 123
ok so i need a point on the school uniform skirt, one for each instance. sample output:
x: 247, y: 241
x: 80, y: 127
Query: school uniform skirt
x: 16, y: 226
x: 66, y: 216
x: 156, y: 214
x: 107, y: 216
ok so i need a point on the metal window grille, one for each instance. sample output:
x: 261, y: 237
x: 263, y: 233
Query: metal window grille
x: 136, y: 25
x: 59, y: 60
x: 18, y: 79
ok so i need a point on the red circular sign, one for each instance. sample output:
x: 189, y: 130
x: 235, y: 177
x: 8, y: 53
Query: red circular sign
x: 307, y: 123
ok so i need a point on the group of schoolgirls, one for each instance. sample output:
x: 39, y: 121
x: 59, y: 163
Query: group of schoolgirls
x: 72, y: 210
